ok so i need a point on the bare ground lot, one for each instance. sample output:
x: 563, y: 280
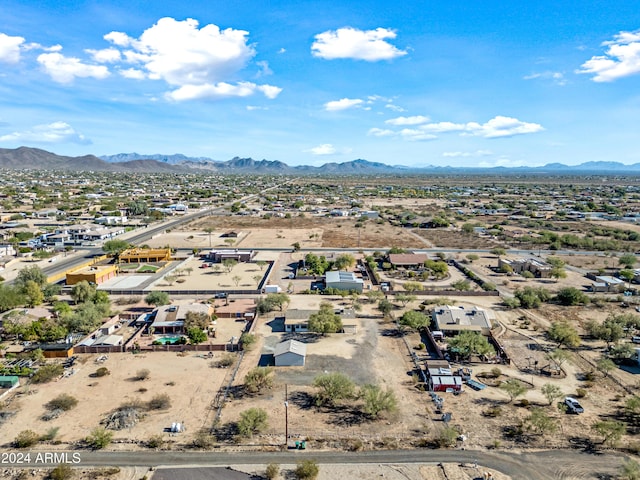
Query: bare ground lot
x: 310, y: 232
x: 189, y: 381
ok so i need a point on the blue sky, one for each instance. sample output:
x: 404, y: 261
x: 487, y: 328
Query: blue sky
x: 469, y: 83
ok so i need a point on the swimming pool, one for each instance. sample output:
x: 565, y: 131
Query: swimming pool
x: 169, y: 340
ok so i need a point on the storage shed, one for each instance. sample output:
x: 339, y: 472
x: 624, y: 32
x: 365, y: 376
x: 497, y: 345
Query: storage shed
x: 8, y: 381
x: 290, y: 354
x: 446, y: 383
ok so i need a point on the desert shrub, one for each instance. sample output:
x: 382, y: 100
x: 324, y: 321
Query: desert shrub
x: 99, y: 438
x: 203, y: 439
x: 47, y: 373
x: 224, y: 361
x: 272, y: 471
x: 524, y: 402
x: 307, y: 470
x: 155, y: 441
x: 581, y: 393
x: 50, y: 435
x: 162, y: 401
x: 420, y: 346
x: 63, y: 401
x: 102, y: 372
x: 26, y: 439
x: 61, y: 472
x: 142, y: 374
x: 494, y: 411
x: 496, y: 372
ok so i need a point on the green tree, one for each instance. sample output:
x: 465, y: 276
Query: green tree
x: 628, y: 260
x: 258, y: 379
x: 157, y: 298
x: 99, y: 438
x: 448, y: 437
x: 404, y: 298
x: 32, y: 273
x: 333, y: 387
x: 307, y: 470
x: 564, y: 333
x: 199, y: 320
x: 228, y: 264
x: 627, y: 275
x: 414, y: 320
x: 32, y: 293
x: 551, y: 392
x: 10, y: 297
x: 273, y: 301
x: 540, y: 422
x: 378, y: 401
x: 610, y: 430
x: 385, y: 307
x: 247, y: 340
x: 571, y: 296
x: 344, y: 261
x: 82, y: 292
x: 252, y: 421
x: 196, y: 335
x: 472, y: 257
x: 325, y: 321
x: 606, y: 365
x: 115, y: 247
x: 48, y: 372
x: 558, y: 356
x: 471, y: 343
x: 411, y: 287
x: 514, y: 388
x: 498, y: 252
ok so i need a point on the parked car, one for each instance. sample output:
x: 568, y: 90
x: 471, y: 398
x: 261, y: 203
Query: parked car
x: 573, y: 406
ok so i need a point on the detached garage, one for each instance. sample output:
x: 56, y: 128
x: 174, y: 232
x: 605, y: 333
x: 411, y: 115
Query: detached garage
x: 290, y: 354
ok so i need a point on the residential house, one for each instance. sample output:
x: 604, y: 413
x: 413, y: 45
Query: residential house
x: 452, y: 320
x: 171, y: 318
x: 343, y: 281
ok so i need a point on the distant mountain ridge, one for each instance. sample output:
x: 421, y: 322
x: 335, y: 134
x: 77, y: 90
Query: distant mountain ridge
x: 34, y: 158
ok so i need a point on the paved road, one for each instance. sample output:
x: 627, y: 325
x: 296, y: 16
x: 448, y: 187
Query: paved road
x: 542, y: 465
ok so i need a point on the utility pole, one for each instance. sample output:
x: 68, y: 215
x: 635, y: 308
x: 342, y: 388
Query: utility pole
x: 286, y: 418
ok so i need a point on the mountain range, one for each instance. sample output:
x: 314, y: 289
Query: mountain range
x: 32, y: 158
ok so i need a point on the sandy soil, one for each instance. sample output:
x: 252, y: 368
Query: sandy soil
x: 189, y: 381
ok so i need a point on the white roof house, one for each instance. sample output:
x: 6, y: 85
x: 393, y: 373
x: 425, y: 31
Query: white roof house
x: 290, y: 354
x: 343, y: 281
x: 455, y: 319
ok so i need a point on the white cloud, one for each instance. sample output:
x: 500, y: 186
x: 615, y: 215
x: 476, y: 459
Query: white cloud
x: 118, y: 38
x: 415, y: 120
x: 282, y: 50
x: 380, y: 132
x: 477, y: 153
x: 393, y: 107
x: 497, y: 127
x: 503, y: 127
x: 132, y: 73
x: 556, y: 77
x: 347, y: 42
x: 621, y: 59
x: 264, y: 68
x: 342, y: 104
x: 221, y: 90
x: 10, y: 48
x: 415, y: 135
x: 56, y: 132
x: 106, y: 55
x: 198, y: 61
x: 324, y: 149
x: 251, y: 108
x: 65, y: 69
